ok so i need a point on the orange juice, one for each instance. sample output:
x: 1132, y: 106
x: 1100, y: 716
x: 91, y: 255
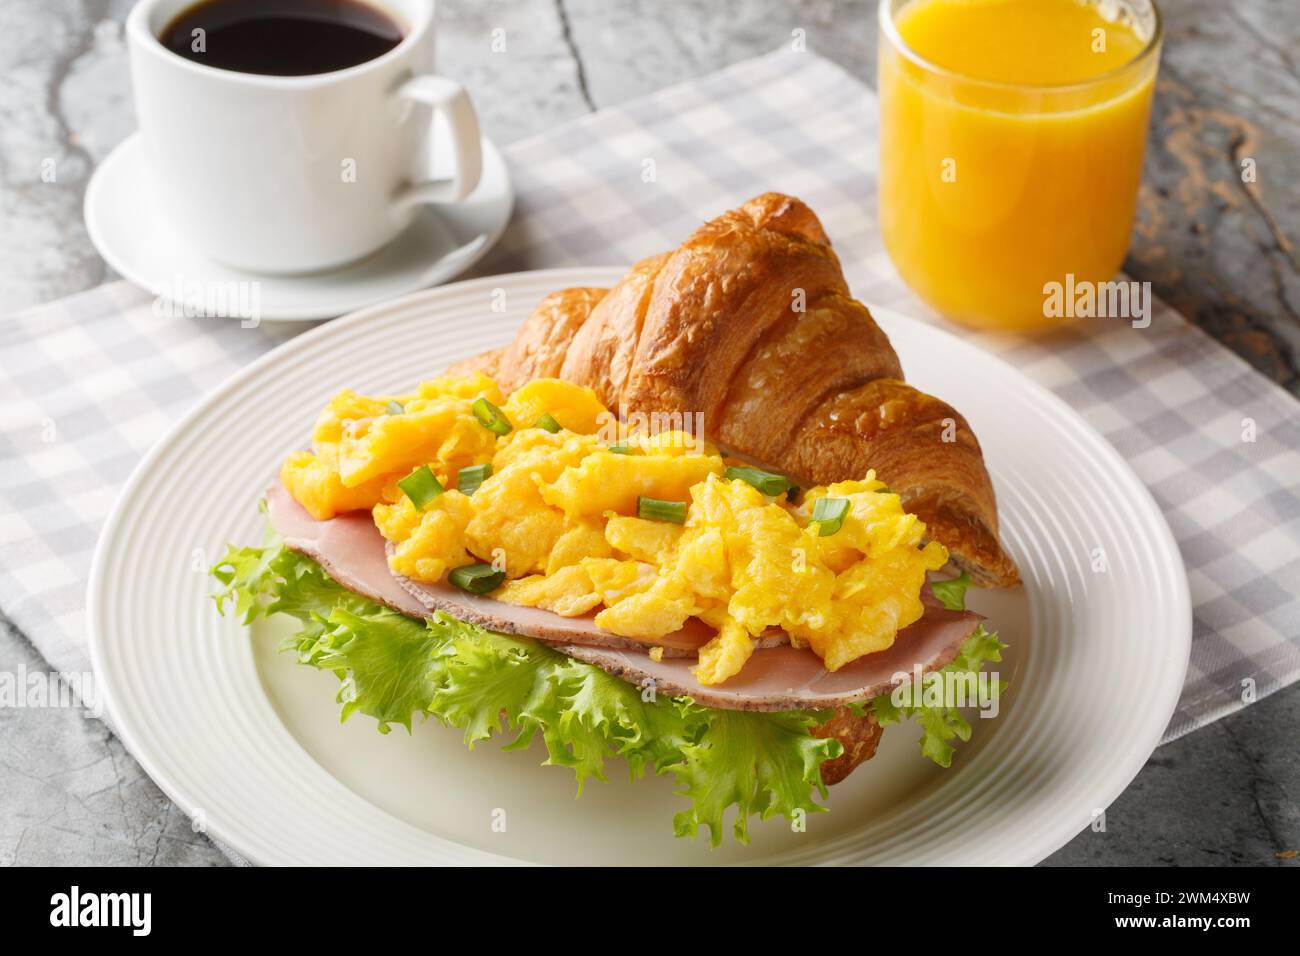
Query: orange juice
x: 1012, y: 134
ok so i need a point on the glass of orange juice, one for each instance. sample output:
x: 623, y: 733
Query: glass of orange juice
x: 1011, y: 142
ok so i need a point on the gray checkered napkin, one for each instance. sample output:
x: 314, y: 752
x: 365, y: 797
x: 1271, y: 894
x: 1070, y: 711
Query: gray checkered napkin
x: 106, y: 376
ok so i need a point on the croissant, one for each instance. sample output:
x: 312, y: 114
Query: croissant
x: 751, y: 323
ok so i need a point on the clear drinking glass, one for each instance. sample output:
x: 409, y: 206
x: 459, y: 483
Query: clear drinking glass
x: 989, y: 191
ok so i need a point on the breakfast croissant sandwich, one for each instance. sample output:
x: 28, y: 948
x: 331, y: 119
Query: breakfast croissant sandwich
x: 697, y: 521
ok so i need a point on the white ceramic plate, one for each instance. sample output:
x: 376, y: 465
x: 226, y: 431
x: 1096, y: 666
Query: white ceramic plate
x: 444, y: 240
x: 250, y: 741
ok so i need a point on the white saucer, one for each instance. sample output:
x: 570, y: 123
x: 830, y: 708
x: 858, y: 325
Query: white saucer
x: 443, y: 241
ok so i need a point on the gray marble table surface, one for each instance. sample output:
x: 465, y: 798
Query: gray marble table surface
x: 1222, y: 251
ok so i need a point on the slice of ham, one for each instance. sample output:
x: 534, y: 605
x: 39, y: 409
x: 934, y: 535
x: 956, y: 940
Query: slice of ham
x: 794, y: 678
x: 777, y: 676
x: 349, y: 547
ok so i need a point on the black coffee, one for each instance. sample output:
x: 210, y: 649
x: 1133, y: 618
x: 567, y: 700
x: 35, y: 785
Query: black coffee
x: 282, y: 37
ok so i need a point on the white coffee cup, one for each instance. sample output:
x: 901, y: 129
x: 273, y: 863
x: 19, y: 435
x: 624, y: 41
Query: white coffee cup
x: 291, y: 174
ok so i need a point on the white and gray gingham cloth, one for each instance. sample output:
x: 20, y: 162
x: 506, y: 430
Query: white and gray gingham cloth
x: 90, y: 382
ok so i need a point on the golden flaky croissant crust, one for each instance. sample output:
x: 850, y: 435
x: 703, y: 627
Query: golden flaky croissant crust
x: 750, y: 321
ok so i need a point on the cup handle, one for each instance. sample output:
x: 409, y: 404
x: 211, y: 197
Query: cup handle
x: 450, y: 98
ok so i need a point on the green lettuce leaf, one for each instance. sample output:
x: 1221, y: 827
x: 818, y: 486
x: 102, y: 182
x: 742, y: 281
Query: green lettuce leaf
x: 385, y: 660
x: 952, y: 592
x: 940, y: 725
x: 259, y: 582
x: 764, y: 762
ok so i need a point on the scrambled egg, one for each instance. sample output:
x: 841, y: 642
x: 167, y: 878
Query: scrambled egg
x: 559, y: 515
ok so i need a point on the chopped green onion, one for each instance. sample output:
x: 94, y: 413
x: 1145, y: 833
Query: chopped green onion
x: 884, y: 490
x: 421, y: 487
x: 622, y: 448
x: 548, y: 422
x: 491, y: 417
x: 470, y: 478
x: 394, y: 408
x: 828, y: 514
x: 477, y: 578
x: 653, y: 509
x: 768, y: 482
